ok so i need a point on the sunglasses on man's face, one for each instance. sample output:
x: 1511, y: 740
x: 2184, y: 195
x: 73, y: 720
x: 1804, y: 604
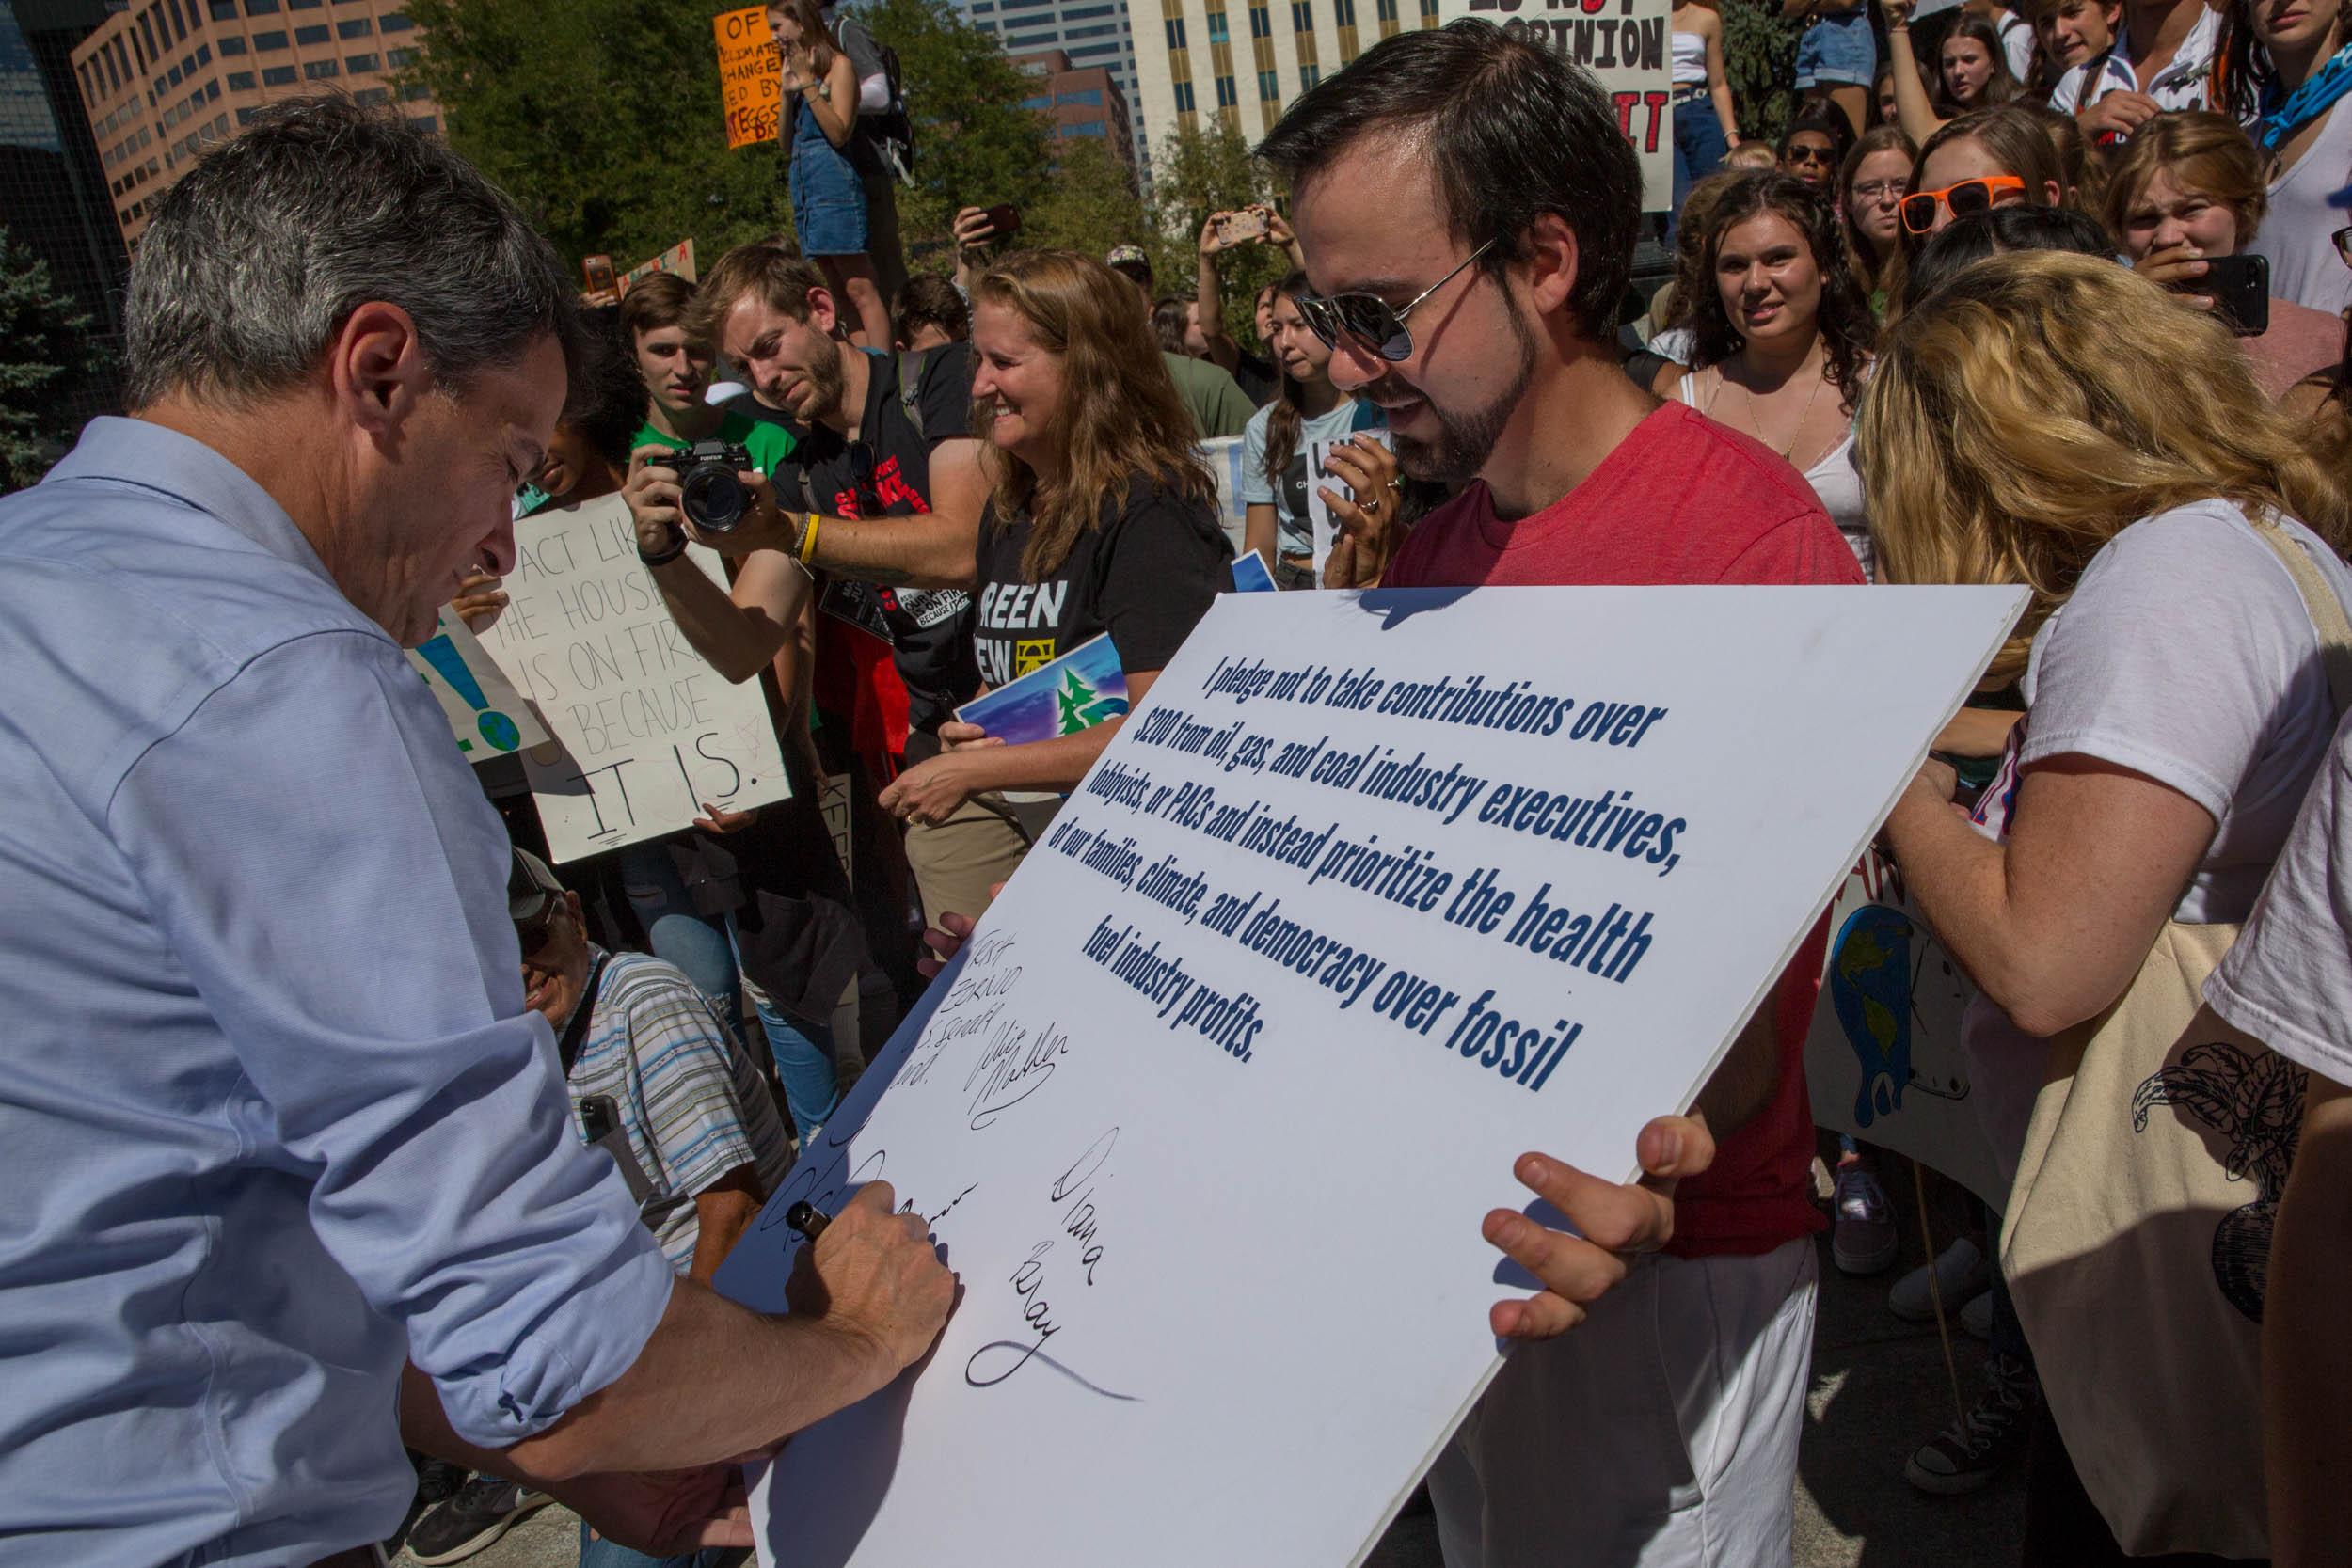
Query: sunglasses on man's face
x: 1369, y: 319
x: 1800, y: 153
x: 1964, y: 200
x: 2344, y: 244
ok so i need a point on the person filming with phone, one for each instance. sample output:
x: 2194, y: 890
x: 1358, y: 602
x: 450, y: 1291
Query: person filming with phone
x: 2183, y: 199
x: 1260, y: 375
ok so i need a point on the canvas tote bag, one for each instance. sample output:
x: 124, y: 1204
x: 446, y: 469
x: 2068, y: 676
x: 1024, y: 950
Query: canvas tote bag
x: 2139, y: 1231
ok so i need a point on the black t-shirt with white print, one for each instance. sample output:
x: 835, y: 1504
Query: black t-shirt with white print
x: 886, y: 473
x: 1146, y: 574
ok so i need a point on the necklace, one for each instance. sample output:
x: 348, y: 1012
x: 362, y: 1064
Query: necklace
x: 1796, y: 433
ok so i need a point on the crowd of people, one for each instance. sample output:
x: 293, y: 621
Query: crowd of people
x: 2057, y: 300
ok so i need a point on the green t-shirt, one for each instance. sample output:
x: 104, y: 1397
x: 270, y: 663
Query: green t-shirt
x: 769, y: 444
x: 1216, y: 401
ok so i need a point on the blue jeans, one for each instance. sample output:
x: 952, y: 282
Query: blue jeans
x: 595, y: 1552
x: 1698, y: 151
x: 703, y: 948
x: 804, y: 1062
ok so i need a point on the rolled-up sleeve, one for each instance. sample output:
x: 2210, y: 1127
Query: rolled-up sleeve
x: 325, y: 866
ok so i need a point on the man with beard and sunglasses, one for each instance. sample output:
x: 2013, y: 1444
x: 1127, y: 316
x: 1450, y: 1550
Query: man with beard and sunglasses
x: 1469, y: 208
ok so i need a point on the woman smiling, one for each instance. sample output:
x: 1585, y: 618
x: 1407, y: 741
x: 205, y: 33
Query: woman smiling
x: 1103, y: 518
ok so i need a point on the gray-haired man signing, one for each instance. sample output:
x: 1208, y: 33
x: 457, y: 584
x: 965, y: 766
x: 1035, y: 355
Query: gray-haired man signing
x: 291, y: 1166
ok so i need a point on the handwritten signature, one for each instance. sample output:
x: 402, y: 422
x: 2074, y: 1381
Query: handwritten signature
x: 1014, y: 1067
x: 1078, y: 1218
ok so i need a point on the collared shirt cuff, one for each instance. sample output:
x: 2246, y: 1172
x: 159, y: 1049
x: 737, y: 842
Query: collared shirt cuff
x: 578, y: 1351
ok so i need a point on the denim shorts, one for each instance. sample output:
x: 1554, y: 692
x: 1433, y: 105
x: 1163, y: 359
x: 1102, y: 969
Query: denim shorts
x: 828, y: 203
x: 1838, y: 50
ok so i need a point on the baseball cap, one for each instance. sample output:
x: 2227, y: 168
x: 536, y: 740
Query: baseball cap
x: 1128, y: 256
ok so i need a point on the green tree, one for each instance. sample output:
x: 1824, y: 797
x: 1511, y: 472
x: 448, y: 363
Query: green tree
x: 1090, y: 204
x: 975, y: 144
x: 40, y: 328
x: 1194, y: 173
x: 603, y: 118
x: 1759, y: 61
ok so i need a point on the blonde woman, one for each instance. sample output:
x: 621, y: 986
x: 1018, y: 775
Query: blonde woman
x: 2056, y: 422
x: 1101, y: 516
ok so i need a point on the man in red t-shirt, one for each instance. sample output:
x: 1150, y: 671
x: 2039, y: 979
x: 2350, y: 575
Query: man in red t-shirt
x: 1468, y: 205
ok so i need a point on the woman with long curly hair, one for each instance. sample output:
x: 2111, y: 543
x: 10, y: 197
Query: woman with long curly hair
x: 2056, y: 422
x: 1783, y: 337
x: 1102, y: 517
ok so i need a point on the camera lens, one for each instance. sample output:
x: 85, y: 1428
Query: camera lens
x: 713, y: 498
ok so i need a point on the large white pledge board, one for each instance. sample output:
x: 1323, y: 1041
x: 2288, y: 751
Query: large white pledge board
x: 644, y: 731
x: 1370, y: 895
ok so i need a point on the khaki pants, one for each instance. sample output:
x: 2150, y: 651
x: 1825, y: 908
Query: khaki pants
x: 956, y: 862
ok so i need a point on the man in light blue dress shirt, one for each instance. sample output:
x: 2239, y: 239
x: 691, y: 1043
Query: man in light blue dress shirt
x: 289, y: 1167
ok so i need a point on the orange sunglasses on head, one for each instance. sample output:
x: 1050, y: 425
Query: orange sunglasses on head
x: 1961, y: 200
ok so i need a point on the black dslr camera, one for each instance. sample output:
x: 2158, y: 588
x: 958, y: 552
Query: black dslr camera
x: 713, y: 500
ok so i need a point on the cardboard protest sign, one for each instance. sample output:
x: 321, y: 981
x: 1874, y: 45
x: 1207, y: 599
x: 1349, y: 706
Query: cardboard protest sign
x: 751, y: 86
x: 1370, y: 894
x: 1621, y: 41
x: 485, y: 713
x: 645, y: 732
x: 1883, y: 1060
x: 678, y: 259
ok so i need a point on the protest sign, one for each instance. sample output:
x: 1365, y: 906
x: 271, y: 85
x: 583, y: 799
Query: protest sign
x: 751, y: 86
x: 1250, y: 575
x: 1320, y: 478
x: 678, y: 259
x: 1084, y: 688
x: 645, y: 732
x: 1623, y: 42
x: 1883, y: 1060
x: 1370, y: 894
x: 485, y: 713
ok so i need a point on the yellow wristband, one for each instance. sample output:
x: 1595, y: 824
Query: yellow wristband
x: 808, y: 540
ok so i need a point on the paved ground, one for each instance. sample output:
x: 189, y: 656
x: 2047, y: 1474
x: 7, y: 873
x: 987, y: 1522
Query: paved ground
x: 1879, y: 1389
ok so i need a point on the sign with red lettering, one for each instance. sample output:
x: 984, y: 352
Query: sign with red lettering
x: 750, y: 83
x: 1624, y: 43
x: 678, y: 259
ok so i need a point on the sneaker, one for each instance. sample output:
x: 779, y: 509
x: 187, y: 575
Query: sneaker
x: 1977, y: 1317
x: 1962, y: 1272
x: 1862, y: 1237
x: 484, y: 1509
x: 1971, y: 1452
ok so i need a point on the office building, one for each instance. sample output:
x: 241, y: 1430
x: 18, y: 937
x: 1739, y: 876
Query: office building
x: 1245, y: 60
x: 162, y: 79
x: 1082, y: 101
x: 1091, y: 32
x: 53, y: 189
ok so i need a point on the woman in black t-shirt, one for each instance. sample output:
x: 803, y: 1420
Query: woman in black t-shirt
x: 1102, y: 517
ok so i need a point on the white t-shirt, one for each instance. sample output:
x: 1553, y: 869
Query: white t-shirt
x: 2297, y: 232
x: 2185, y: 654
x: 1293, y: 534
x: 2181, y: 84
x: 2016, y: 43
x: 2288, y: 980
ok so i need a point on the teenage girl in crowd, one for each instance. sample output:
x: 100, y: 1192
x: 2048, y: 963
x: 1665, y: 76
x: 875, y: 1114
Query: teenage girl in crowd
x: 2056, y: 422
x: 1972, y: 72
x: 1784, y: 338
x: 1706, y: 125
x: 1307, y: 408
x: 1870, y: 190
x: 828, y: 214
x: 1981, y: 161
x: 2305, y: 137
x: 2188, y: 189
x: 1101, y: 516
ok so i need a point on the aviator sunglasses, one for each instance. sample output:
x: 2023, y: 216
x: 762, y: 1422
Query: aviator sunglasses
x: 1371, y: 321
x: 1964, y: 200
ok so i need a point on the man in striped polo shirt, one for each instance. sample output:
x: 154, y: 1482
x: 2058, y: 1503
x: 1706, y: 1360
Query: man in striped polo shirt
x: 663, y: 1083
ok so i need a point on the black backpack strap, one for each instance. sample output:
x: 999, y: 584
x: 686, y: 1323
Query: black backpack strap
x: 909, y: 387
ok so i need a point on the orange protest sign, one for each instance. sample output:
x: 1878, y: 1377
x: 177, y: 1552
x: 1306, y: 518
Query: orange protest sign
x: 748, y: 71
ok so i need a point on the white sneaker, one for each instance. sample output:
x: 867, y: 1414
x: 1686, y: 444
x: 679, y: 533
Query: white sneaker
x: 1977, y: 1317
x: 1960, y: 1272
